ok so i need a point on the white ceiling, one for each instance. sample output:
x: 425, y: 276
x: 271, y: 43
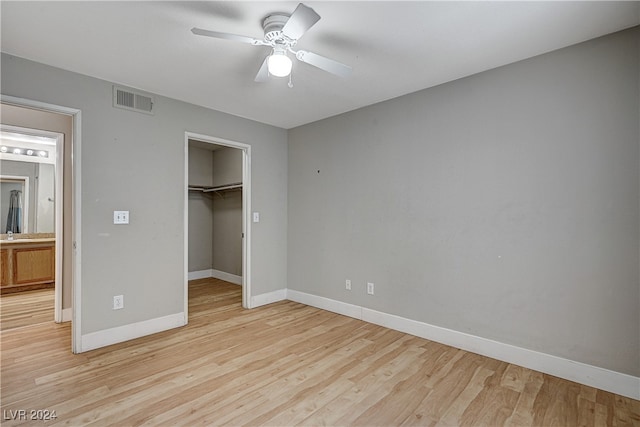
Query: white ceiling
x: 394, y: 47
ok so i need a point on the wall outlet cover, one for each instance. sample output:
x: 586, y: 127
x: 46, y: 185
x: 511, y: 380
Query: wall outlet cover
x: 118, y: 302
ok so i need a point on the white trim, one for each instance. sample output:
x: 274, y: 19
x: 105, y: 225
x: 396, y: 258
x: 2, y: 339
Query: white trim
x: 216, y: 274
x: 76, y: 183
x: 594, y: 376
x: 185, y: 213
x: 268, y: 298
x: 67, y: 315
x: 246, y: 212
x: 328, y: 304
x: 200, y: 274
x: 59, y: 227
x: 131, y: 331
x: 246, y: 228
x: 227, y: 277
x: 76, y: 138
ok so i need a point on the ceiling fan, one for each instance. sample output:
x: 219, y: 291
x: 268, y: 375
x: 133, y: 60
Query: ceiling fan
x: 281, y: 33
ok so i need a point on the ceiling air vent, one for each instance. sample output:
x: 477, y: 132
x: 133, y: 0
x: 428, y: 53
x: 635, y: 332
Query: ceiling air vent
x: 128, y: 100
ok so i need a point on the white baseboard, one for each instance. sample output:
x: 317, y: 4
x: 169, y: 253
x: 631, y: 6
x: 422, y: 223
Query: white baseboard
x: 594, y: 376
x: 268, y: 298
x: 200, y: 274
x: 217, y: 274
x: 334, y: 306
x: 119, y: 334
x: 227, y: 277
x: 67, y: 314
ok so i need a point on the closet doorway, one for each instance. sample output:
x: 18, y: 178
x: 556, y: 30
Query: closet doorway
x: 217, y: 197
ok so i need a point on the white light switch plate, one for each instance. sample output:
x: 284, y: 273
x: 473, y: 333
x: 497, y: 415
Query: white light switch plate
x: 256, y: 217
x: 121, y: 217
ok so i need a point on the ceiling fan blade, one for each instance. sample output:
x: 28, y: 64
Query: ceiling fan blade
x: 227, y: 36
x: 300, y: 21
x: 326, y: 64
x: 263, y: 72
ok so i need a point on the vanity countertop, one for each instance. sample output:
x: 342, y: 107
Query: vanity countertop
x: 27, y: 241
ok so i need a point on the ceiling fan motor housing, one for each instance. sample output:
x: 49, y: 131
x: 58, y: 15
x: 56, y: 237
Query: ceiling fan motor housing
x: 272, y: 26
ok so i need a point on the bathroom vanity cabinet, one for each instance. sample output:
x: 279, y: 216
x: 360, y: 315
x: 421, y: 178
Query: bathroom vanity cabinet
x: 27, y: 264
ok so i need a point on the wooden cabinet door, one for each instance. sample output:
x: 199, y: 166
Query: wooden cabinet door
x: 4, y: 267
x: 34, y: 265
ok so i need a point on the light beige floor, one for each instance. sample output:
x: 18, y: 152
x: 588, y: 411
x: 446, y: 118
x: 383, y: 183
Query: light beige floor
x: 282, y: 364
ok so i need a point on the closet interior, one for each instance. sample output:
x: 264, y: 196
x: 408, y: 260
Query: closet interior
x: 215, y: 212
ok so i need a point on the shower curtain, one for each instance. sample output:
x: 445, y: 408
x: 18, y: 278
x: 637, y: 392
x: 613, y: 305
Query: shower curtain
x: 14, y: 218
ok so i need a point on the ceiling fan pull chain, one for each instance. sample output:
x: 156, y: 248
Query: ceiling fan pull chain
x: 290, y: 82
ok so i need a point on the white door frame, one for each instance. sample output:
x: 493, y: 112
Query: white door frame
x: 59, y: 201
x: 246, y: 212
x: 76, y: 115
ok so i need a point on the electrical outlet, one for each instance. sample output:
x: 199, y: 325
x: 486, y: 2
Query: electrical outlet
x: 347, y: 284
x: 118, y: 302
x: 370, y: 288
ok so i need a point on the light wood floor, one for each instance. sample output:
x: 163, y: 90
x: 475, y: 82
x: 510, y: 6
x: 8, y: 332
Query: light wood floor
x: 283, y: 364
x: 26, y: 308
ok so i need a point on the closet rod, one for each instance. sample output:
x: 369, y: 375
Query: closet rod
x: 223, y: 187
x: 205, y: 189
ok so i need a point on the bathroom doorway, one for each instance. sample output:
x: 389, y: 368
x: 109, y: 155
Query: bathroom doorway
x: 31, y: 209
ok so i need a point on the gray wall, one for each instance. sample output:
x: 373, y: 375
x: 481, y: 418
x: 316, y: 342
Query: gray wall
x: 227, y: 212
x: 45, y: 199
x: 144, y: 260
x: 227, y: 166
x: 503, y: 205
x: 200, y: 210
x: 200, y: 166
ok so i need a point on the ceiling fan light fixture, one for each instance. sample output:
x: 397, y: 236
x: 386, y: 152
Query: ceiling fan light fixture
x: 279, y: 64
x: 282, y: 32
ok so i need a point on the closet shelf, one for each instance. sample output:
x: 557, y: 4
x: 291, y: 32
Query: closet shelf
x: 216, y: 189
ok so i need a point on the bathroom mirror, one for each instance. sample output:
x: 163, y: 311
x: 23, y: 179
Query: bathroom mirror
x: 29, y: 196
x: 27, y: 182
x: 14, y: 214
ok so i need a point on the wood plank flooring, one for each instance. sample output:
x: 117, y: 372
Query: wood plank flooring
x: 282, y: 364
x: 26, y: 308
